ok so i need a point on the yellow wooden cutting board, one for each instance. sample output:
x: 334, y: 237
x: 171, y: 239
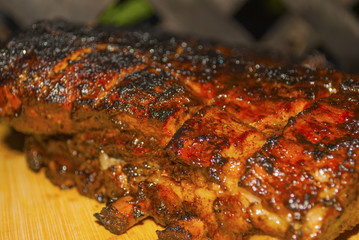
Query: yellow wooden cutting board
x: 32, y: 208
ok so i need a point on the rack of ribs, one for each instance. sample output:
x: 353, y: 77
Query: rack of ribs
x: 212, y: 142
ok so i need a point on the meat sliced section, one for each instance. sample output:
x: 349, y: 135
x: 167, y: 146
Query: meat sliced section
x: 210, y: 141
x: 309, y: 173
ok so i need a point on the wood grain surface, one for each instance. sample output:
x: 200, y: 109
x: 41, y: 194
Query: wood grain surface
x: 32, y: 208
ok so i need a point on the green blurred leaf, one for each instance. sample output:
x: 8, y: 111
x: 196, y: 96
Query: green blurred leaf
x: 125, y: 13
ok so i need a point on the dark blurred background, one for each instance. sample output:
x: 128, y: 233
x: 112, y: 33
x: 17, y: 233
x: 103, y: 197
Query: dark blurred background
x: 296, y: 28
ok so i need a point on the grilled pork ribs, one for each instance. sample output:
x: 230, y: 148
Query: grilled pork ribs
x: 211, y: 142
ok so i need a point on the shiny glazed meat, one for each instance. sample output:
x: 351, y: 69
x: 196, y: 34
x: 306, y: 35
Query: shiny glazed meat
x: 211, y: 142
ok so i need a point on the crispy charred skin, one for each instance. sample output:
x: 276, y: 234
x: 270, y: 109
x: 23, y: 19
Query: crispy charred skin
x: 131, y: 211
x: 309, y: 172
x: 211, y: 142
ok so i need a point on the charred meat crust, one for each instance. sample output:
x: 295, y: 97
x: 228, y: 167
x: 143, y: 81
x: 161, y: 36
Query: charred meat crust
x: 210, y: 141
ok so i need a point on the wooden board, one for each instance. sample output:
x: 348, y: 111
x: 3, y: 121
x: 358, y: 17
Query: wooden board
x: 32, y: 208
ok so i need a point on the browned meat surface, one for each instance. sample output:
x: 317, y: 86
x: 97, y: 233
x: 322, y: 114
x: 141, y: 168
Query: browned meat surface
x: 211, y: 142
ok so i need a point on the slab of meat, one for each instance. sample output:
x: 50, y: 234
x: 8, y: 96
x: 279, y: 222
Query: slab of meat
x: 211, y: 142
